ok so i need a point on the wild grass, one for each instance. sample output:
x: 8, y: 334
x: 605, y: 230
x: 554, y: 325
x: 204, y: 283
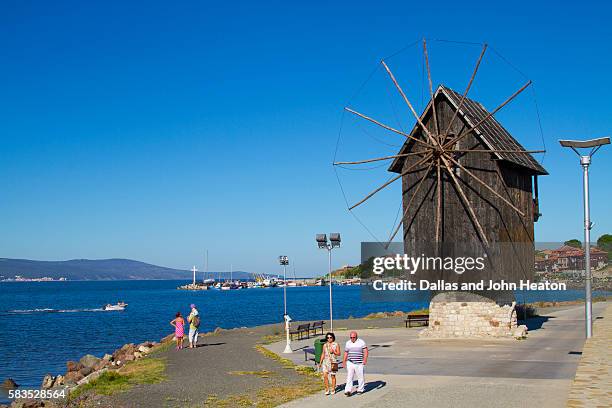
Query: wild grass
x: 271, y: 338
x: 397, y: 313
x: 268, y: 397
x: 275, y: 394
x: 418, y: 311
x: 272, y: 397
x: 242, y: 400
x: 285, y: 363
x: 145, y: 371
x: 260, y: 373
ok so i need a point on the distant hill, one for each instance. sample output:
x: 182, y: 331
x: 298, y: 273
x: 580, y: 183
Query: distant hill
x: 100, y: 269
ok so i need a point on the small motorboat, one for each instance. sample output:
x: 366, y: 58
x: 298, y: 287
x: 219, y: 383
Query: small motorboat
x: 119, y: 306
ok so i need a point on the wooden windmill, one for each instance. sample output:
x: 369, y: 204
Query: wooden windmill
x: 464, y: 177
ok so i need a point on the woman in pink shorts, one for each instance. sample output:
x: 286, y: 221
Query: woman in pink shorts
x: 179, y: 329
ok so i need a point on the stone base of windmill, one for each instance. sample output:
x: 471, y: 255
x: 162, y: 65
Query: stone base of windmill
x: 471, y: 318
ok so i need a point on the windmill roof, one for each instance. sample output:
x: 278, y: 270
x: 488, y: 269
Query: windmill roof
x: 491, y: 132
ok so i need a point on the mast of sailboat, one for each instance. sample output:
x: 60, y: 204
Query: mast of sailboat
x: 206, y: 268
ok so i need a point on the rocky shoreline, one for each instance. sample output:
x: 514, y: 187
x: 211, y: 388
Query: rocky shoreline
x: 78, y: 373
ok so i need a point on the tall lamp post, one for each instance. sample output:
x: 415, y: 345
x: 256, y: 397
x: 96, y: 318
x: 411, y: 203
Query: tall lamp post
x: 323, y: 243
x: 284, y: 261
x: 585, y: 162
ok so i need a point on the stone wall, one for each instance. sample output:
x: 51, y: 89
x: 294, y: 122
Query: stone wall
x: 482, y: 318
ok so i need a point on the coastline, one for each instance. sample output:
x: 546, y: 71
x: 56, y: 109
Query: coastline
x: 248, y: 338
x: 240, y: 344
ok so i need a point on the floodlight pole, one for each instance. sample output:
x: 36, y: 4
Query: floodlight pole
x: 585, y: 162
x: 284, y: 261
x: 324, y: 243
x: 285, y: 286
x: 331, y: 303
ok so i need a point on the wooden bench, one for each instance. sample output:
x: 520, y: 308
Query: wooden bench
x: 417, y: 318
x: 316, y: 326
x: 307, y: 351
x: 301, y: 329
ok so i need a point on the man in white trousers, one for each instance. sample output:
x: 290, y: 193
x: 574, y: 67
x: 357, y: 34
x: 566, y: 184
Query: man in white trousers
x: 355, y: 359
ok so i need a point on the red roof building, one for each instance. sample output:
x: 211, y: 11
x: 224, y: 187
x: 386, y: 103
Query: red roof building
x: 569, y: 258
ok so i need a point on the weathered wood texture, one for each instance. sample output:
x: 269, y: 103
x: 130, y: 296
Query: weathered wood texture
x: 501, y: 223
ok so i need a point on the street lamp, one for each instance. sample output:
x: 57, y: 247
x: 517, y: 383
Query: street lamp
x: 284, y: 261
x: 334, y: 242
x: 585, y: 161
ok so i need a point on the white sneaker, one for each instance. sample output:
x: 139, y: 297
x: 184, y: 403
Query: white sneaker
x: 326, y: 392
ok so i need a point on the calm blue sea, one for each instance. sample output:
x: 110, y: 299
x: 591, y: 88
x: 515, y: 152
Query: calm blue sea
x: 44, y: 324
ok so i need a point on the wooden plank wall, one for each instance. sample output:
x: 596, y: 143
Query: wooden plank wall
x: 501, y: 223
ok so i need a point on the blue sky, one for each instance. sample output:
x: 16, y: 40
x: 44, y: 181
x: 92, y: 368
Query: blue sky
x: 156, y: 132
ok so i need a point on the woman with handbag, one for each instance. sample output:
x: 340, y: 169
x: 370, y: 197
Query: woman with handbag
x: 329, y: 362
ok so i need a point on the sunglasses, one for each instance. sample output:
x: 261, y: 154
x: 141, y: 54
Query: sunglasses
x: 329, y: 337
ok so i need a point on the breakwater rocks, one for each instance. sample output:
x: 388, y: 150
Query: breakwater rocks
x: 90, y: 367
x: 81, y: 372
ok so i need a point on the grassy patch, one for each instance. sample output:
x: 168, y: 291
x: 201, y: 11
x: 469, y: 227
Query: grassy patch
x: 271, y: 338
x: 261, y: 373
x: 108, y: 383
x: 241, y: 400
x: 145, y: 371
x: 379, y: 315
x: 305, y: 370
x: 163, y: 347
x: 308, y: 382
x: 286, y: 363
x: 272, y: 397
x: 397, y: 313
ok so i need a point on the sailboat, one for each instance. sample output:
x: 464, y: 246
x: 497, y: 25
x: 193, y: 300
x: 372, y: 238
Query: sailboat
x: 228, y: 285
x: 293, y: 283
x: 208, y: 282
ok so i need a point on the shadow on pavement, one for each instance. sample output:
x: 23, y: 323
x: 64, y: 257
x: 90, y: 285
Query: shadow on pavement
x: 209, y: 344
x: 369, y: 386
x: 535, y: 323
x: 374, y: 385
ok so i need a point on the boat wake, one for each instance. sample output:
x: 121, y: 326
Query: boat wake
x: 47, y: 310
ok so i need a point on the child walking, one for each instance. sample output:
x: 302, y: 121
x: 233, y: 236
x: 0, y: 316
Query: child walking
x: 179, y: 329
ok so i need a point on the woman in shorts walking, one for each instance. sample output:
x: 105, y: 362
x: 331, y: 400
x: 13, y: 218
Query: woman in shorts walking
x: 329, y: 362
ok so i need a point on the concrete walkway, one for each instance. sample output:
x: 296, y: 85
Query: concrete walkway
x: 592, y: 386
x: 406, y: 371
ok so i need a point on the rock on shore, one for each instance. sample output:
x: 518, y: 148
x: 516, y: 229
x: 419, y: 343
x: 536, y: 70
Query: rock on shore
x: 9, y: 384
x: 90, y: 367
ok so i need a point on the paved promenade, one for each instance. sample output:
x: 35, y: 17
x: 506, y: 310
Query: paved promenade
x: 592, y: 386
x: 406, y: 371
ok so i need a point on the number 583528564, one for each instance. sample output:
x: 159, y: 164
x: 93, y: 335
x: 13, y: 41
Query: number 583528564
x: 36, y: 393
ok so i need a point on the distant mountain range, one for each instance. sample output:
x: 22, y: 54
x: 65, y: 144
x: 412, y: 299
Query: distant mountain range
x: 101, y: 269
